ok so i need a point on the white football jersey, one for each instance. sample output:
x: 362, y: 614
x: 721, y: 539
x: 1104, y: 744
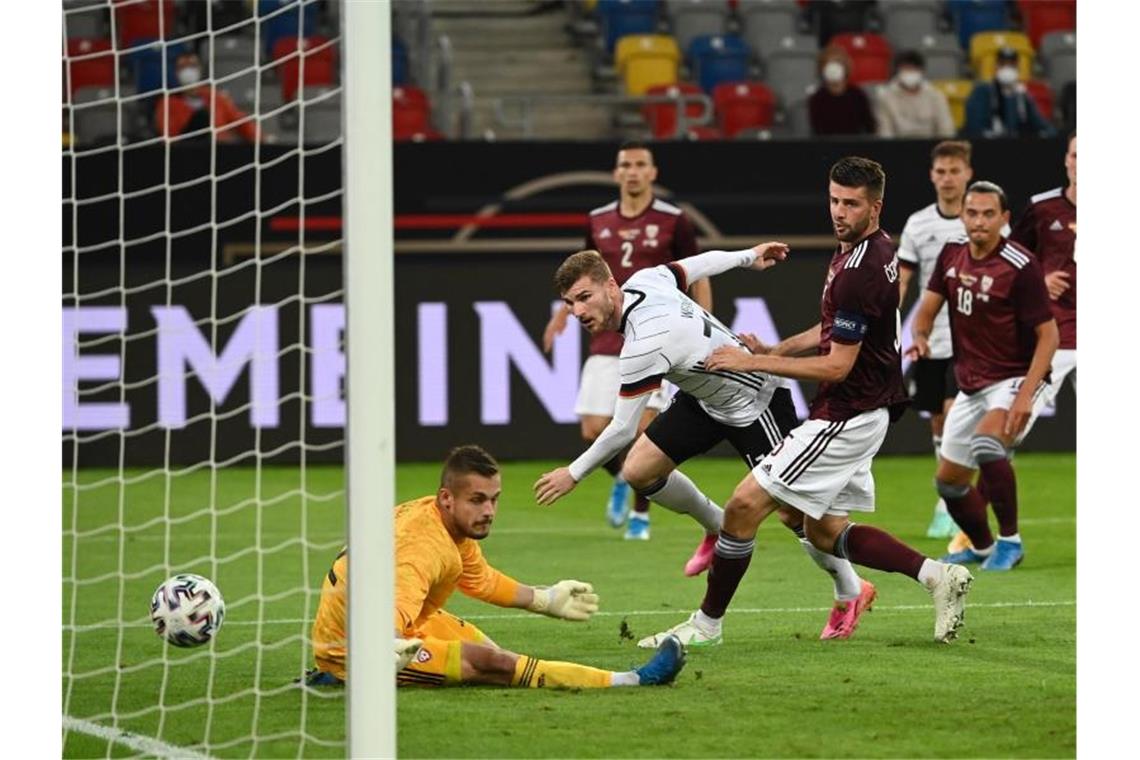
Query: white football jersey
x: 668, y: 336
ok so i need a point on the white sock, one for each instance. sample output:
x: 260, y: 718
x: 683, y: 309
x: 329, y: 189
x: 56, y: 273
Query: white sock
x: 639, y: 516
x: 712, y: 625
x: 1015, y: 538
x: 847, y: 582
x: 937, y: 441
x: 681, y: 495
x: 987, y: 551
x: 930, y: 572
x: 628, y: 678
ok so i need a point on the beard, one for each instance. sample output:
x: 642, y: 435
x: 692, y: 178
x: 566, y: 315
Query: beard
x: 854, y: 232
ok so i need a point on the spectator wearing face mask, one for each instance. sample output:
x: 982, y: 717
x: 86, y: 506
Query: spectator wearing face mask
x: 838, y: 107
x: 188, y: 107
x: 909, y: 106
x: 1002, y: 108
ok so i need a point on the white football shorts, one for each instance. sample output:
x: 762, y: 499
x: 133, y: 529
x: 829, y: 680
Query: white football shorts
x: 1064, y: 362
x: 600, y: 384
x: 824, y: 467
x: 968, y: 411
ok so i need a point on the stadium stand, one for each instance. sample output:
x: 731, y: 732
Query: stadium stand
x: 907, y: 22
x: 662, y: 117
x: 98, y: 70
x: 138, y: 21
x: 146, y: 62
x: 282, y: 19
x: 765, y: 24
x: 321, y: 122
x: 984, y: 47
x: 90, y: 23
x: 644, y: 60
x: 319, y: 59
x: 718, y: 58
x: 973, y: 16
x: 1042, y: 95
x: 944, y: 59
x: 790, y: 69
x: 743, y: 105
x: 1040, y: 17
x: 1058, y: 54
x: 871, y: 56
x: 411, y: 114
x: 957, y: 91
x: 621, y: 18
x: 400, y: 67
x: 690, y: 19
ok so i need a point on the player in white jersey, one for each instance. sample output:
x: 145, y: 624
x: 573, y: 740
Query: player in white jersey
x: 668, y: 337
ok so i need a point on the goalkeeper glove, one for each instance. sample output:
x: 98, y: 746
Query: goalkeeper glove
x: 569, y: 600
x: 406, y: 650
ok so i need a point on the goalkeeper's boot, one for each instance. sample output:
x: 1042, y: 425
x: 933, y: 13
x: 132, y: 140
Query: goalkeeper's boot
x: 665, y: 664
x: 964, y: 557
x: 314, y: 677
x: 959, y: 542
x: 845, y: 615
x: 617, y: 509
x: 702, y: 557
x: 1007, y: 555
x: 690, y: 633
x: 942, y: 525
x: 638, y: 528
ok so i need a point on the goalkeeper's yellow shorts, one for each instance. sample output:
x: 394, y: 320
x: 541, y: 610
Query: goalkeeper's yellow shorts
x: 438, y: 661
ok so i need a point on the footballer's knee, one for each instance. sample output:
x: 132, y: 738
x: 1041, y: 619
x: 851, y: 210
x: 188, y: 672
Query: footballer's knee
x: 646, y: 467
x: 747, y: 508
x: 987, y: 448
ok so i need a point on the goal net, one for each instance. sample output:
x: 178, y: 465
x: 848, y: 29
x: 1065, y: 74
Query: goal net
x: 204, y: 366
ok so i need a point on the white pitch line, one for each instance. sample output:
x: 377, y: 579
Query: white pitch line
x: 145, y: 744
x: 626, y: 613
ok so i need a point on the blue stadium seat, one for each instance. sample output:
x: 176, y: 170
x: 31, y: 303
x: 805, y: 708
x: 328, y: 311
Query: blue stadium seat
x: 718, y: 58
x: 146, y: 64
x: 622, y: 17
x: 285, y: 23
x: 400, y: 67
x: 973, y: 16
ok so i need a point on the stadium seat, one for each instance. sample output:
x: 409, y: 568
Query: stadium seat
x: 697, y: 133
x: 690, y: 19
x: 838, y: 17
x: 973, y: 16
x: 1059, y: 58
x: 765, y: 24
x: 944, y: 59
x: 1040, y: 17
x: 621, y: 18
x: 644, y: 60
x: 870, y: 56
x: 146, y: 64
x: 411, y: 113
x: 322, y: 121
x: 243, y: 91
x: 718, y: 58
x: 142, y: 20
x: 1042, y: 95
x: 906, y: 22
x: 96, y: 71
x: 281, y: 19
x: 82, y: 21
x: 98, y: 124
x: 984, y: 48
x: 662, y: 117
x: 797, y: 117
x: 319, y: 58
x: 232, y: 52
x: 791, y: 69
x: 400, y: 66
x: 743, y: 105
x: 957, y: 91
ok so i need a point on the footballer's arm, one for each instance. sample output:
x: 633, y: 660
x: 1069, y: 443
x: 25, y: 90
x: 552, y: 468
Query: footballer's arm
x: 832, y: 367
x: 924, y: 323
x: 712, y: 263
x: 618, y: 434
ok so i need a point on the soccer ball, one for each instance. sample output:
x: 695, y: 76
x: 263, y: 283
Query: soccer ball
x: 187, y: 610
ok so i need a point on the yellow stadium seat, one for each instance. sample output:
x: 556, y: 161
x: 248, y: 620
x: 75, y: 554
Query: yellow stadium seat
x: 644, y: 60
x: 956, y: 92
x: 985, y: 45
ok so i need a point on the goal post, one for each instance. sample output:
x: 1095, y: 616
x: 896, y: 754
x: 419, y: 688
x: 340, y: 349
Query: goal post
x: 370, y: 455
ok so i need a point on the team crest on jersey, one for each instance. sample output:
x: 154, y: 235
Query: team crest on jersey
x: 892, y: 270
x: 987, y: 283
x: 951, y: 272
x: 605, y: 233
x: 423, y: 656
x: 1056, y: 226
x: 629, y: 234
x: 651, y: 230
x: 967, y: 279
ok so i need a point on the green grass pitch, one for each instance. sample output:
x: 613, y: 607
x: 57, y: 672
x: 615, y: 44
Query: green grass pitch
x: 1006, y: 688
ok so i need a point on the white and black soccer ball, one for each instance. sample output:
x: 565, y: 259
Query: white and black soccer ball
x: 187, y: 610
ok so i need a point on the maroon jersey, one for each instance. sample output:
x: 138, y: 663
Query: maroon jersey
x: 659, y: 234
x: 995, y: 304
x: 861, y: 305
x: 1048, y: 228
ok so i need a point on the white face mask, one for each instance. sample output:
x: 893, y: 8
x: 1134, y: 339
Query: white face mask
x: 1007, y: 75
x: 189, y: 75
x: 911, y: 78
x: 834, y: 72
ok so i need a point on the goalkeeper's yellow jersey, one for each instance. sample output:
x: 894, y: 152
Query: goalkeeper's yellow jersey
x: 430, y: 565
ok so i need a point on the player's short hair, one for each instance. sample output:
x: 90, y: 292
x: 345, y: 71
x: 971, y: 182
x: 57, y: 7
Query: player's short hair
x: 576, y: 265
x: 466, y: 460
x: 910, y: 58
x: 991, y: 188
x: 856, y: 171
x: 635, y: 145
x: 952, y: 149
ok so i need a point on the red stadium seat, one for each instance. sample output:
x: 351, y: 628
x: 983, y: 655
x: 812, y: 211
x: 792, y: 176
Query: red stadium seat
x: 871, y: 56
x: 662, y: 117
x: 1043, y: 16
x: 703, y: 133
x: 320, y: 63
x: 411, y: 114
x: 742, y: 105
x: 98, y: 71
x: 1042, y: 95
x: 143, y: 19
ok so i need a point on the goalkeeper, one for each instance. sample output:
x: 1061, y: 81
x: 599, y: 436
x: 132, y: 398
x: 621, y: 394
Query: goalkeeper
x: 437, y: 551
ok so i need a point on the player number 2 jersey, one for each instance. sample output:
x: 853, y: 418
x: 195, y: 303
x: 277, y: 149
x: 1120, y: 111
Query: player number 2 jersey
x: 668, y: 336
